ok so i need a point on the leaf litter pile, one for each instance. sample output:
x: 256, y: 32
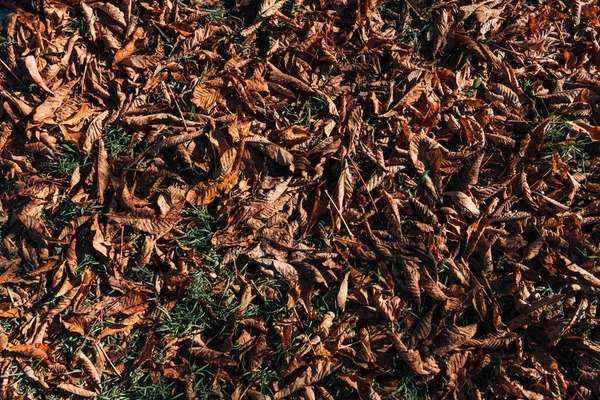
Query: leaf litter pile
x: 318, y: 199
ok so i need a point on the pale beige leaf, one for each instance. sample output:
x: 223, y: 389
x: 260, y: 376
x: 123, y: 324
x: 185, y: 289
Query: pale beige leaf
x: 32, y: 70
x: 75, y: 178
x: 315, y: 373
x: 94, y: 131
x: 205, y: 98
x: 443, y: 19
x: 226, y: 162
x: 282, y: 268
x: 103, y: 170
x: 90, y: 369
x: 174, y: 141
x: 53, y: 102
x: 141, y: 61
x: 583, y: 273
x: 146, y: 252
x: 78, y: 390
x: 112, y: 11
x: 576, y: 6
x: 465, y: 201
x: 277, y: 153
x: 37, y: 352
x: 289, y: 82
x: 343, y: 292
x: 90, y: 19
x: 146, y: 223
x: 532, y: 249
x: 269, y: 7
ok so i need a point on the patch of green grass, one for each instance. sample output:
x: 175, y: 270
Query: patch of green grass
x: 411, y: 35
x: 472, y: 90
x: 116, y: 141
x: 202, y: 306
x: 443, y: 270
x: 68, y: 159
x: 290, y: 8
x: 91, y: 262
x: 569, y: 148
x: 193, y: 174
x: 321, y: 239
x: 70, y: 344
x: 186, y: 316
x: 66, y: 211
x: 177, y: 87
x: 25, y: 267
x: 544, y: 290
x: 268, y: 375
x: 169, y: 42
x: 10, y: 253
x: 6, y: 42
x: 136, y: 273
x: 322, y: 302
x: 203, y: 377
x: 526, y: 85
x: 302, y: 113
x: 409, y: 383
x: 499, y: 259
x: 585, y: 253
x: 265, y: 377
x: 77, y: 24
x: 201, y: 228
x: 22, y: 385
x: 269, y: 308
x: 8, y: 324
x: 139, y: 385
x: 216, y: 14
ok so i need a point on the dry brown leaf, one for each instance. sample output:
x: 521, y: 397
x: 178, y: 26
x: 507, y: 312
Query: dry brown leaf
x: 77, y: 390
x: 90, y: 369
x: 29, y: 350
x: 103, y: 170
x: 34, y: 73
x: 47, y: 109
x: 112, y: 11
x: 465, y: 201
x: 147, y: 223
x: 315, y: 373
x: 277, y: 153
x: 94, y: 131
x: 342, y: 295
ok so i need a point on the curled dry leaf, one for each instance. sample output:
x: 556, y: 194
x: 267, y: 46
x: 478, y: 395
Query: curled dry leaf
x: 342, y: 295
x: 36, y: 352
x: 277, y: 153
x: 94, y: 131
x: 147, y: 223
x: 90, y: 369
x: 464, y: 201
x: 315, y: 373
x: 53, y: 102
x: 76, y: 390
x: 103, y: 170
x: 32, y: 70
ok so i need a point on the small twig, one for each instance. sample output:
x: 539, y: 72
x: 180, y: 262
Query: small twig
x: 363, y: 181
x: 99, y: 347
x: 304, y: 331
x: 177, y: 105
x: 11, y: 72
x: 12, y: 300
x: 85, y: 67
x: 340, y: 214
